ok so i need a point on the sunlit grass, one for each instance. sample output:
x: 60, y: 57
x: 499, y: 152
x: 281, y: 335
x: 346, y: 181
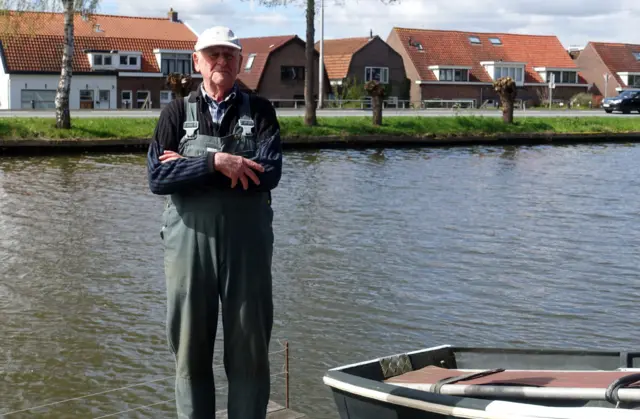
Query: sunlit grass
x: 141, y: 128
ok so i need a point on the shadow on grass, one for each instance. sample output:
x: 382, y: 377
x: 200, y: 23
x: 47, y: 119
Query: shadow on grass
x: 87, y: 133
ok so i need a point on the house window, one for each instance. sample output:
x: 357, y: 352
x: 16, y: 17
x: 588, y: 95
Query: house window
x: 379, y: 74
x: 446, y: 75
x: 102, y: 59
x: 495, y: 41
x: 176, y: 63
x: 249, y: 64
x: 288, y: 72
x: 474, y: 40
x: 637, y: 55
x: 569, y: 77
x: 166, y: 96
x: 128, y: 60
x: 516, y: 73
x: 449, y: 74
x: 557, y: 76
x: 634, y: 81
x: 38, y: 99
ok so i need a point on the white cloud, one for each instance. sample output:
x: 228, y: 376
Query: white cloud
x: 575, y: 22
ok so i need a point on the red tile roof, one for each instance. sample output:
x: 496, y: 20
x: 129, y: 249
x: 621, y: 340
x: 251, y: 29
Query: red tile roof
x: 618, y: 57
x: 33, y: 42
x: 454, y: 48
x: 110, y: 26
x: 338, y: 53
x: 262, y: 48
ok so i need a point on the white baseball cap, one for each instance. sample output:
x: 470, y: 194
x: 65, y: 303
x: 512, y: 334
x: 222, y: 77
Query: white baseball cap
x: 217, y: 36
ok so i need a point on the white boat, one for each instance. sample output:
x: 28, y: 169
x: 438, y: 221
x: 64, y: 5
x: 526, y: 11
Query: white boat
x: 490, y: 383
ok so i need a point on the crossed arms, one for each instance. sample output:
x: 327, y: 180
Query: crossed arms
x: 169, y: 172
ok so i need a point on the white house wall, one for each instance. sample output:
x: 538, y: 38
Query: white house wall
x: 4, y: 91
x: 18, y: 82
x: 4, y: 87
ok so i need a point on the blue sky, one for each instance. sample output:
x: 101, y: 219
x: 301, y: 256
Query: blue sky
x: 575, y: 22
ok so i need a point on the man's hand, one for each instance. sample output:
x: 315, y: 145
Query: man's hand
x: 168, y: 156
x: 236, y: 167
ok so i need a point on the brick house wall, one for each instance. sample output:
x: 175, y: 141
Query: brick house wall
x: 536, y: 94
x: 411, y: 73
x: 272, y: 86
x: 533, y: 95
x: 377, y: 53
x: 479, y: 92
x: 593, y: 69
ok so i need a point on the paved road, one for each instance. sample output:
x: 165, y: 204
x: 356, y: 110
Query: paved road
x: 325, y: 113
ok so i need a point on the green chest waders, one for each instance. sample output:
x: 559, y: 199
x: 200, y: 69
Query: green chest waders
x: 218, y: 247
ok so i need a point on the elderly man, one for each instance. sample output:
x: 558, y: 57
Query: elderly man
x: 217, y: 154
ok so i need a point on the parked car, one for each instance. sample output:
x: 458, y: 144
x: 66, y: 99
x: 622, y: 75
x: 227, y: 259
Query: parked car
x: 625, y: 102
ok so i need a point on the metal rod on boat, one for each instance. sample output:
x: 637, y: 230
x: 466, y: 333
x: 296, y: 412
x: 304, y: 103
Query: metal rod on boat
x: 286, y: 374
x: 575, y: 393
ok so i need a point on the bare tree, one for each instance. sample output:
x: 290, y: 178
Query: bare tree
x: 508, y: 92
x: 377, y: 93
x: 310, y: 105
x: 10, y: 20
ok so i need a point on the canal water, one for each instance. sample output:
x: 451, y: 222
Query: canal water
x: 376, y: 252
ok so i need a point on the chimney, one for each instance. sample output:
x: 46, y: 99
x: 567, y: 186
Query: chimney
x: 173, y: 15
x: 371, y: 33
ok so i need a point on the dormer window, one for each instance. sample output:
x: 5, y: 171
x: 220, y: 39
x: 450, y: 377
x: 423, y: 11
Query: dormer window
x: 451, y: 73
x: 105, y: 60
x: 114, y: 60
x: 637, y: 55
x: 560, y: 75
x: 128, y: 60
x: 474, y: 40
x: 500, y: 69
x: 495, y: 41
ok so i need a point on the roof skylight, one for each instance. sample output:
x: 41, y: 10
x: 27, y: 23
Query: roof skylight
x: 474, y: 39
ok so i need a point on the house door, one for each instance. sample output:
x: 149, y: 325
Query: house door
x: 104, y: 99
x: 143, y: 99
x: 86, y: 99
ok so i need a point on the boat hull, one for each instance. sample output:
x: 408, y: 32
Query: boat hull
x: 366, y: 390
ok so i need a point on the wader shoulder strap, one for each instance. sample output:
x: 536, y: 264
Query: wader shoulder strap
x: 191, y: 113
x: 245, y: 121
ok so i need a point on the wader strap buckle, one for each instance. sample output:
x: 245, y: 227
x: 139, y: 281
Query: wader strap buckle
x: 190, y: 128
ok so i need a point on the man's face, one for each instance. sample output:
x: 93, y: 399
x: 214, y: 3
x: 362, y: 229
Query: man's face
x: 221, y: 65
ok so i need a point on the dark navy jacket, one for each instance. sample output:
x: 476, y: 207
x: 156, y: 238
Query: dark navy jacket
x: 179, y: 175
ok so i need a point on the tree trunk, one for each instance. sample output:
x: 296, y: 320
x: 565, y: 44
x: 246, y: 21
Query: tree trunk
x: 309, y: 102
x: 507, y: 111
x: 63, y: 118
x: 377, y: 110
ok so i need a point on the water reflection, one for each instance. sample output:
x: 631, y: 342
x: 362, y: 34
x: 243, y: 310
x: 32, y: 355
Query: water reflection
x: 377, y: 251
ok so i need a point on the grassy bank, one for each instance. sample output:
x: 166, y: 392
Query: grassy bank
x: 129, y: 128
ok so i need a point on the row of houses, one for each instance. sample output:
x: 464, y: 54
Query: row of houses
x: 121, y: 62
